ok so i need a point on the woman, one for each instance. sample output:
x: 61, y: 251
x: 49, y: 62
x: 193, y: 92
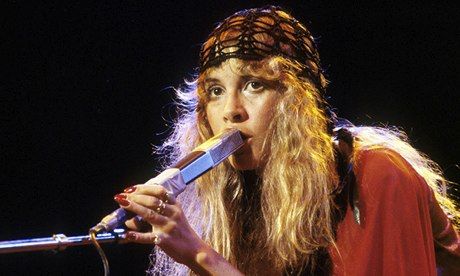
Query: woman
x: 298, y: 197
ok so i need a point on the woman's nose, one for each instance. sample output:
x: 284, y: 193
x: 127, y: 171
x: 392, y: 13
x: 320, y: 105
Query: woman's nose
x: 234, y: 110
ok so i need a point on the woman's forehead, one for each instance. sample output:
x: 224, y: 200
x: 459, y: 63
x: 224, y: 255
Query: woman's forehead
x: 231, y: 66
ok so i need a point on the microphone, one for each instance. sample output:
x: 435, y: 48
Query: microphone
x: 203, y: 158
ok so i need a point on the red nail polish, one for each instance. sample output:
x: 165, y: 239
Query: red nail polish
x: 121, y: 199
x: 130, y: 236
x: 130, y: 189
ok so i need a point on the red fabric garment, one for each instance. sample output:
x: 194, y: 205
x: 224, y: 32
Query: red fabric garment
x: 402, y: 225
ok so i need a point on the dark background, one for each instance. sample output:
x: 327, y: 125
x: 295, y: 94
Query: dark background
x: 85, y: 91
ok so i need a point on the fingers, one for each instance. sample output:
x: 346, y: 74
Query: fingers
x: 138, y: 224
x: 157, y: 212
x: 152, y: 190
x: 146, y: 238
x: 153, y: 203
x: 147, y: 214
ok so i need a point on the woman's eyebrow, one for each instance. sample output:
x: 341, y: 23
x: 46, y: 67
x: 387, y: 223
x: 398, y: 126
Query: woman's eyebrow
x: 252, y: 77
x: 212, y: 80
x: 246, y: 77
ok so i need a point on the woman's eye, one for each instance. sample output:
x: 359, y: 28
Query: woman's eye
x: 215, y: 91
x: 254, y: 86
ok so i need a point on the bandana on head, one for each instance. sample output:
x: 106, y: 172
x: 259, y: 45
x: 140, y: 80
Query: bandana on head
x: 255, y: 34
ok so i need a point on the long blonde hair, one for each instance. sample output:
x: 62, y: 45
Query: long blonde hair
x: 285, y: 219
x: 290, y: 210
x: 294, y: 212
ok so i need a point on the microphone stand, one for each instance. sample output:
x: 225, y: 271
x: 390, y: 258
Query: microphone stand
x: 200, y: 160
x: 60, y: 242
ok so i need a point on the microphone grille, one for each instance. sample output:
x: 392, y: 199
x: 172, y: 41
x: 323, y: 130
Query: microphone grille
x: 230, y: 142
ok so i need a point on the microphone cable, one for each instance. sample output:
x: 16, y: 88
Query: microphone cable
x: 105, y: 261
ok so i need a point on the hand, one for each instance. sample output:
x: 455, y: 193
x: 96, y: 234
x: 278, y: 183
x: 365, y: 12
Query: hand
x: 169, y: 227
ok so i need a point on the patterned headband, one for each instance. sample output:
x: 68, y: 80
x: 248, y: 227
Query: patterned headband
x: 255, y: 34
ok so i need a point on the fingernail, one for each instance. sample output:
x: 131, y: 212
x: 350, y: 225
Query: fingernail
x: 130, y: 189
x: 130, y: 236
x: 121, y: 199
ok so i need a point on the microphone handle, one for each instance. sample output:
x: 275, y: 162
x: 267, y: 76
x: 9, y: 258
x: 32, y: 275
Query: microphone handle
x: 199, y: 161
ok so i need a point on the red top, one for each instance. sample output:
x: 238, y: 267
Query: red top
x: 403, y: 230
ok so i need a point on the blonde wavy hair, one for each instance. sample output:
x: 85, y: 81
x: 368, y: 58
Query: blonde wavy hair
x: 290, y: 210
x: 286, y: 217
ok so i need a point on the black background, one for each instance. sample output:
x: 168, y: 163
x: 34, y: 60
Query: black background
x: 86, y: 92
